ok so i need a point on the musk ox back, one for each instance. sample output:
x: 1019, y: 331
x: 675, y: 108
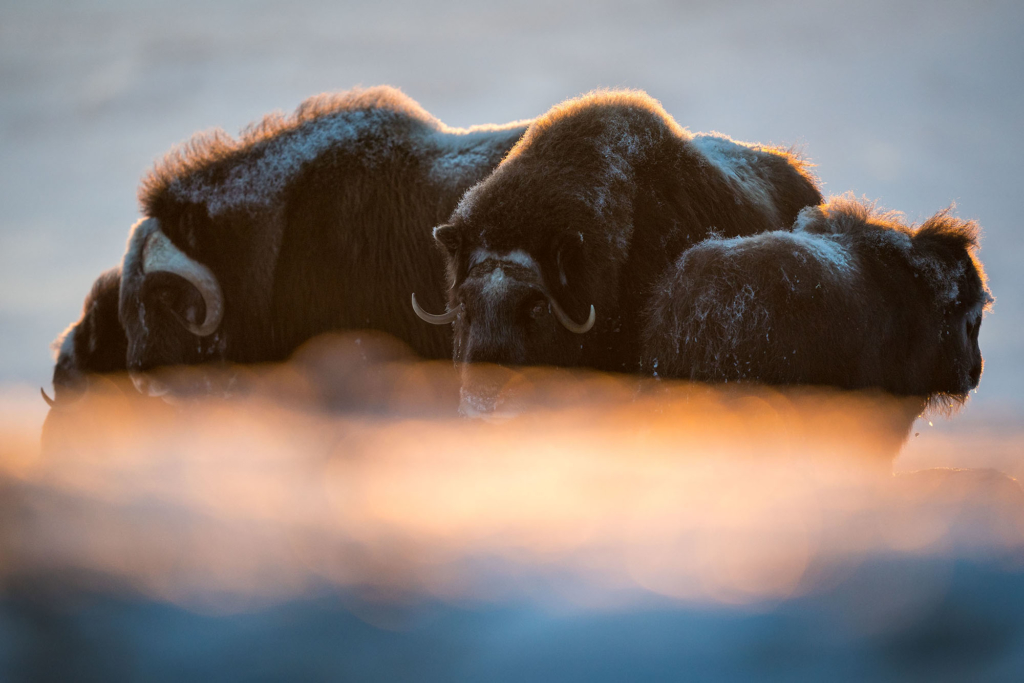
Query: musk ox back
x: 309, y: 223
x: 850, y: 298
x: 551, y: 256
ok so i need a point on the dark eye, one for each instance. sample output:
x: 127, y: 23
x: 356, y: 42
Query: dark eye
x: 539, y: 308
x: 974, y: 327
x: 172, y: 299
x: 166, y: 296
x: 180, y: 299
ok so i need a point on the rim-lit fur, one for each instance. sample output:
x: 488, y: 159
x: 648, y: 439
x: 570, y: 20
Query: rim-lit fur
x: 851, y: 297
x: 95, y: 343
x: 598, y: 197
x: 312, y: 222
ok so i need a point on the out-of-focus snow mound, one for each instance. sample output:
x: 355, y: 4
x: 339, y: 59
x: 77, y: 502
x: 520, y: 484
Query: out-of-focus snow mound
x: 342, y: 493
x: 350, y: 466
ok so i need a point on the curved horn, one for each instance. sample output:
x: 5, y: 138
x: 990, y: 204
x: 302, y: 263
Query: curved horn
x: 443, y: 319
x: 49, y: 401
x: 568, y: 323
x: 160, y: 255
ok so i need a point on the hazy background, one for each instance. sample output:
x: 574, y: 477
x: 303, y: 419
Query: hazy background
x: 914, y: 104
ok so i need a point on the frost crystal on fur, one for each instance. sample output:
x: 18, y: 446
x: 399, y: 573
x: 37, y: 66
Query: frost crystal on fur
x: 258, y: 180
x: 454, y: 163
x: 252, y: 172
x: 517, y: 256
x: 825, y: 250
x: 738, y: 163
x: 822, y: 249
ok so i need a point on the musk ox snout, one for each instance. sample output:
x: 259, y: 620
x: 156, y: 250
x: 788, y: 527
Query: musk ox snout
x: 148, y: 385
x: 976, y: 370
x: 509, y: 316
x: 484, y: 391
x: 93, y: 345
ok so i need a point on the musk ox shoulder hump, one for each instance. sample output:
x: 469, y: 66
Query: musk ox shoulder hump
x: 846, y: 214
x: 612, y: 112
x: 224, y: 173
x: 825, y: 251
x: 746, y: 167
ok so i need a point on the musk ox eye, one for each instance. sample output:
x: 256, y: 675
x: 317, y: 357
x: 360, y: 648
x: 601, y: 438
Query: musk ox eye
x: 538, y: 309
x: 973, y: 327
x: 166, y: 297
x: 180, y: 300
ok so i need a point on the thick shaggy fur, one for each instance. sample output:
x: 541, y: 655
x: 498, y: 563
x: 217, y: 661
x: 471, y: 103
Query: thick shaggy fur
x: 600, y: 195
x: 95, y: 343
x: 314, y: 222
x: 850, y: 298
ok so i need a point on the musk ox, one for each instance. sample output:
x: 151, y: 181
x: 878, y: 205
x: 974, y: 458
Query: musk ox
x: 850, y: 298
x: 313, y: 222
x: 552, y: 256
x: 95, y: 343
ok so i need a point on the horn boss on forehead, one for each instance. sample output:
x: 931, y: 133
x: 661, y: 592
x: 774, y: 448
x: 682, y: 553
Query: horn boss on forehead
x: 161, y: 255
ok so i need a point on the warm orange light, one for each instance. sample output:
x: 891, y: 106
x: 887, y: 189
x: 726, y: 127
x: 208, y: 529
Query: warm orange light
x: 618, y: 487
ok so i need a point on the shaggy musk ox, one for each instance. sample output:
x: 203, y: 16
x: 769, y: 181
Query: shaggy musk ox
x: 95, y: 343
x: 314, y: 222
x: 850, y: 298
x: 552, y: 256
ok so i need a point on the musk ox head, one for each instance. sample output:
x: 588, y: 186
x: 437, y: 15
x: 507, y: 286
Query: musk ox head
x: 94, y: 344
x: 945, y: 258
x: 516, y: 299
x: 504, y: 312
x: 946, y: 292
x: 171, y: 306
x: 536, y: 249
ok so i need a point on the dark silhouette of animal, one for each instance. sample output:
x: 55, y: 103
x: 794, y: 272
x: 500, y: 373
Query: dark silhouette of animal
x: 314, y: 222
x: 552, y: 257
x: 95, y: 343
x: 850, y: 298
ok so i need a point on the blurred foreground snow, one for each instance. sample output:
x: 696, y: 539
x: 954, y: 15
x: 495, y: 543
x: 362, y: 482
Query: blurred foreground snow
x: 337, y: 505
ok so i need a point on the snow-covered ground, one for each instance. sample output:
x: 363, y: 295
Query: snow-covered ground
x: 673, y: 533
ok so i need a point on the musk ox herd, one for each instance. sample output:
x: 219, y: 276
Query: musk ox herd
x: 601, y: 234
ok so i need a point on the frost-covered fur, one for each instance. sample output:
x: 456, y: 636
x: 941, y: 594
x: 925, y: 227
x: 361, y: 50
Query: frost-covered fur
x: 602, y: 193
x: 850, y: 298
x: 95, y: 343
x: 253, y: 172
x: 311, y: 222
